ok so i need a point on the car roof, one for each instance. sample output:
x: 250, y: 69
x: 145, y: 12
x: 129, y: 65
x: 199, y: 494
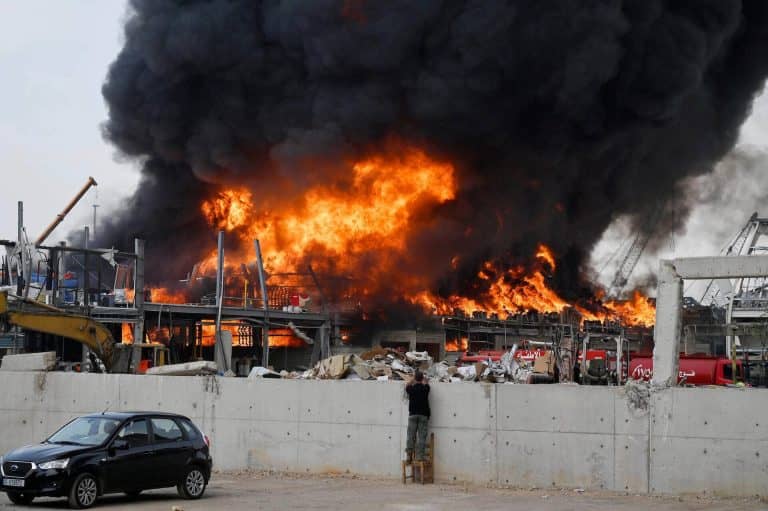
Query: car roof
x: 131, y: 414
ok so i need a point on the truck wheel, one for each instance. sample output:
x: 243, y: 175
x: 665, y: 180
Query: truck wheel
x: 83, y: 492
x: 20, y: 498
x: 192, y: 485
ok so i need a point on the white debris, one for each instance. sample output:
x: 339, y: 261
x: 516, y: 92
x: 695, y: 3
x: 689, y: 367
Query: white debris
x: 44, y: 361
x: 186, y: 369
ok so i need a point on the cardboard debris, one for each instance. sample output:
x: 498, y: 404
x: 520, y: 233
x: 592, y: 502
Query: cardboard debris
x: 375, y: 353
x: 545, y: 364
x: 335, y: 367
x: 362, y: 371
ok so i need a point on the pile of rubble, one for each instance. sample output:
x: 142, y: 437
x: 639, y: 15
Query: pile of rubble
x: 507, y: 370
x: 384, y: 364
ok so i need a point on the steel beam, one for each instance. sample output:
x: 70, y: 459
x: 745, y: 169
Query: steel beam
x: 720, y: 267
x: 265, y: 303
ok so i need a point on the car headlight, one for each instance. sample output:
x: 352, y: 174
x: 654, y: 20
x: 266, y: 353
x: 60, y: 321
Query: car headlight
x: 48, y: 465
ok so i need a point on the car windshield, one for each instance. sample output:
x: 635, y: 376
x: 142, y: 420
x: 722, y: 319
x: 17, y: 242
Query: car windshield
x: 85, y: 431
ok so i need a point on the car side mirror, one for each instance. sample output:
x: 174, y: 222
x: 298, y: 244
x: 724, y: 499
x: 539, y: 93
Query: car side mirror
x: 120, y: 444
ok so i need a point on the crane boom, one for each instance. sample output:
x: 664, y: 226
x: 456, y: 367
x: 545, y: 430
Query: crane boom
x: 60, y: 217
x: 51, y: 320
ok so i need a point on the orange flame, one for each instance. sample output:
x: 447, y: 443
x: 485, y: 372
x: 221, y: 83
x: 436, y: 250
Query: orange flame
x: 362, y: 225
x: 209, y: 332
x: 278, y: 337
x: 229, y: 210
x: 127, y: 333
x: 371, y: 216
x: 546, y: 255
x: 284, y: 338
x: 161, y: 334
x: 530, y: 292
x: 165, y: 295
x: 457, y: 344
x: 637, y: 311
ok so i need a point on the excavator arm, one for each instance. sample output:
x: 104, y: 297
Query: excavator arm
x: 51, y: 320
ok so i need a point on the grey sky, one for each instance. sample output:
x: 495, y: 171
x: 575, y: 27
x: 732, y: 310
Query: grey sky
x: 54, y: 55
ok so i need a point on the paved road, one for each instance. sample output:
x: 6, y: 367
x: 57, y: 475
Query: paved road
x: 264, y: 492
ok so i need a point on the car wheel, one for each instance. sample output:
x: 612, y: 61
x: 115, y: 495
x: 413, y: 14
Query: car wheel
x: 83, y: 492
x: 20, y: 498
x: 133, y: 494
x: 192, y: 485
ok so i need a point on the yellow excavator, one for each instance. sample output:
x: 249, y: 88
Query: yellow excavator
x: 39, y: 317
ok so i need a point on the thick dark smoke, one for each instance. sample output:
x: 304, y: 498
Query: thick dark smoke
x: 560, y: 114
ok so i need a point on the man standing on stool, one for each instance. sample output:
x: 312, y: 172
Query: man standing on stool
x: 418, y: 416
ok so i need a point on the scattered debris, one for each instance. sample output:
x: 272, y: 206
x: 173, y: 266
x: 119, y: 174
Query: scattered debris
x: 386, y: 364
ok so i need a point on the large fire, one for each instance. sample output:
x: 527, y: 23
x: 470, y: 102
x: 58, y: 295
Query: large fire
x: 278, y: 337
x: 362, y: 226
x: 370, y: 215
x: 637, y: 311
x: 518, y: 290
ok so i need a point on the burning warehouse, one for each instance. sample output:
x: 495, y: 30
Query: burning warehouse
x: 425, y: 149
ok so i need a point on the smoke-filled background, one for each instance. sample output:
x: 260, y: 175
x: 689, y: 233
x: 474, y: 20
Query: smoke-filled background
x: 560, y: 116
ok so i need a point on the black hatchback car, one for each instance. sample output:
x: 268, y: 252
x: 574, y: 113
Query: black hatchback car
x: 110, y: 452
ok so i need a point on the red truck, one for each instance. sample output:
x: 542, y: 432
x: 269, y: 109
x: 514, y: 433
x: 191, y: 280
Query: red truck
x: 693, y: 370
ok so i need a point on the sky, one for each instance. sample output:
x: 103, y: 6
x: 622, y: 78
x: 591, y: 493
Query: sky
x: 53, y: 66
x: 51, y: 109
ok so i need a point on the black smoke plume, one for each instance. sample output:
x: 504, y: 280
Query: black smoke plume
x: 560, y: 114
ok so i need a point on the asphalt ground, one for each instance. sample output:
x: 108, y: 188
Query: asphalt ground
x: 232, y: 491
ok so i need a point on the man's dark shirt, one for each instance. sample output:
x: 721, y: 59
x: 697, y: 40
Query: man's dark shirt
x: 418, y: 399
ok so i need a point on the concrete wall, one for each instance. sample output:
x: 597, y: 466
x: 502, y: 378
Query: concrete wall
x: 683, y: 441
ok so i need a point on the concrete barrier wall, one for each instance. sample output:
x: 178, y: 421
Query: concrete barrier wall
x: 680, y: 441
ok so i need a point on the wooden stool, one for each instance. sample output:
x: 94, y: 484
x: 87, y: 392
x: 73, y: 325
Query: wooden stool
x: 426, y: 468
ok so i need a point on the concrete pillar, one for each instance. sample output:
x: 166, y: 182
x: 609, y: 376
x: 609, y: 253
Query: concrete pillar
x: 222, y: 355
x: 138, y: 301
x: 669, y: 300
